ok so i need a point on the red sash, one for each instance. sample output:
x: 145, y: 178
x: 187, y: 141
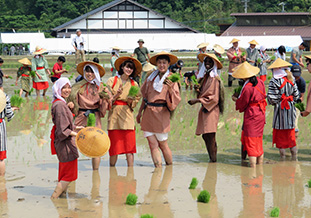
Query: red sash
x: 40, y: 68
x: 119, y: 102
x: 285, y: 99
x: 262, y: 104
x: 1, y: 120
x: 24, y: 75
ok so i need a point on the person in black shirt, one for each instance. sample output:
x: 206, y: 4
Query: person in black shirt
x: 177, y: 67
x: 188, y: 78
x: 300, y: 82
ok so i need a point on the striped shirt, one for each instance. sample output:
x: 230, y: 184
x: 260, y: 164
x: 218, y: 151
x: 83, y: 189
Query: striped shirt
x: 9, y: 114
x: 282, y: 118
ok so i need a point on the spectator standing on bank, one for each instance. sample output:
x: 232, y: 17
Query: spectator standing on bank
x: 78, y: 43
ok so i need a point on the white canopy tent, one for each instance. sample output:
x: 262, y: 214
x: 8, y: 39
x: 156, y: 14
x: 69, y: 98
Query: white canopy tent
x: 22, y: 38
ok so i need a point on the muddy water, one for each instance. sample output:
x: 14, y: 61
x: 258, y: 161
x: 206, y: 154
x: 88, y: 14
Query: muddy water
x: 236, y: 191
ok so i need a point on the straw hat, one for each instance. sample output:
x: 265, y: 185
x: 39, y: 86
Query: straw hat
x: 80, y: 68
x: 253, y: 42
x: 278, y: 63
x: 25, y: 61
x: 234, y: 40
x: 137, y: 64
x: 116, y: 48
x: 245, y: 70
x: 202, y: 45
x: 148, y: 67
x: 308, y: 56
x: 92, y: 142
x: 219, y: 49
x: 2, y: 100
x: 202, y: 56
x: 39, y: 50
x: 173, y: 58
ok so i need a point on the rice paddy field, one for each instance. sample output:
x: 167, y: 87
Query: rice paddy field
x: 235, y: 189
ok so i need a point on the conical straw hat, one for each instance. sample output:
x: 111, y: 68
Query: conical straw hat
x: 308, y: 56
x: 234, y: 40
x: 100, y: 68
x: 137, y: 64
x: 25, y: 61
x: 173, y: 58
x: 279, y: 63
x: 253, y: 42
x: 219, y: 49
x: 92, y: 142
x: 2, y: 100
x: 202, y: 45
x: 116, y: 48
x: 202, y: 56
x: 245, y: 70
x: 39, y: 50
x: 148, y: 67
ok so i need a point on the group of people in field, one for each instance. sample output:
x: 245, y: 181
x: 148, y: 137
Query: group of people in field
x: 160, y: 95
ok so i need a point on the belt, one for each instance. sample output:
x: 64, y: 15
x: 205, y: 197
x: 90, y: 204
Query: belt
x: 24, y: 75
x: 154, y: 104
x: 284, y: 101
x: 261, y: 104
x: 1, y: 120
x: 119, y: 102
x: 40, y: 68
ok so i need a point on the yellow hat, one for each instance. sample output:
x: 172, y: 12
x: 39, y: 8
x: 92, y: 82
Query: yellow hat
x: 202, y: 56
x: 234, y: 40
x: 173, y: 58
x: 92, y: 142
x: 2, y: 100
x: 116, y: 48
x: 219, y: 49
x: 245, y: 70
x: 137, y: 64
x: 278, y: 63
x: 202, y: 45
x: 308, y: 56
x: 253, y: 42
x: 39, y: 50
x: 25, y: 61
x: 148, y: 67
x: 80, y: 68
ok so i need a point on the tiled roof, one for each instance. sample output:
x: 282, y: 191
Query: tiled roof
x: 271, y: 14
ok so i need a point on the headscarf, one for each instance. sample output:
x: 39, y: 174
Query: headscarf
x: 278, y: 55
x: 96, y: 80
x: 57, y: 88
x: 116, y: 52
x: 157, y: 83
x: 202, y: 71
x: 262, y: 50
x: 279, y: 73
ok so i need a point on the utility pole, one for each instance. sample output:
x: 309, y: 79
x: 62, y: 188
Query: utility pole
x: 245, y: 5
x: 283, y: 6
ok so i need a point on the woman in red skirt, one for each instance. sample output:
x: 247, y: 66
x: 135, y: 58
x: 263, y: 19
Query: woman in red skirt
x: 62, y: 137
x: 252, y: 101
x: 121, y: 124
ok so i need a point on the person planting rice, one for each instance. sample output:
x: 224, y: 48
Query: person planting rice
x: 202, y: 50
x: 6, y: 111
x: 121, y: 124
x: 62, y: 137
x: 2, y: 74
x: 283, y: 94
x: 264, y: 59
x: 90, y: 96
x: 308, y: 106
x: 40, y: 65
x: 24, y: 73
x: 190, y: 79
x: 58, y: 69
x: 161, y: 97
x: 252, y: 53
x: 211, y: 96
x: 251, y: 101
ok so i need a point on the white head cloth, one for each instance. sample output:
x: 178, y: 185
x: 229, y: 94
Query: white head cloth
x: 57, y: 88
x: 116, y: 52
x: 95, y: 70
x: 279, y: 72
x: 202, y: 71
x: 157, y: 83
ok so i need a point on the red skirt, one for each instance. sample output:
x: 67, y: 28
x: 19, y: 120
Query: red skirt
x: 122, y: 142
x: 253, y: 145
x: 40, y: 85
x: 284, y: 138
x: 2, y: 155
x: 68, y: 171
x: 263, y: 77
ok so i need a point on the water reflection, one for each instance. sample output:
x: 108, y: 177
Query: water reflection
x: 3, y: 198
x: 157, y: 195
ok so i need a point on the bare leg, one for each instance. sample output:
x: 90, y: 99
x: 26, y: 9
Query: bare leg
x: 95, y: 163
x: 154, y: 149
x: 211, y: 146
x: 252, y: 161
x: 130, y: 159
x: 293, y: 151
x: 26, y: 95
x: 20, y: 92
x: 60, y: 188
x: 2, y: 167
x: 167, y: 153
x: 38, y: 92
x: 282, y: 153
x: 260, y: 160
x: 243, y: 153
x: 44, y: 92
x: 113, y: 160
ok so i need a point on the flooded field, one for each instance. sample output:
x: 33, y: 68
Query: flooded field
x: 236, y: 190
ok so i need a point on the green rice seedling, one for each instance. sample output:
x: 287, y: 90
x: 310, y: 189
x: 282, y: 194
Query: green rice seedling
x: 259, y: 60
x: 67, y: 67
x: 275, y: 212
x: 91, y: 120
x: 71, y: 76
x: 146, y: 216
x: 272, y: 58
x: 134, y: 90
x: 32, y: 73
x: 243, y: 54
x: 31, y: 90
x: 174, y: 77
x: 131, y: 199
x: 16, y: 91
x: 204, y: 196
x: 237, y: 91
x: 9, y: 77
x: 16, y: 101
x: 300, y: 106
x: 269, y: 77
x: 194, y: 183
x: 12, y: 85
x: 309, y: 183
x: 194, y: 79
x: 221, y: 59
